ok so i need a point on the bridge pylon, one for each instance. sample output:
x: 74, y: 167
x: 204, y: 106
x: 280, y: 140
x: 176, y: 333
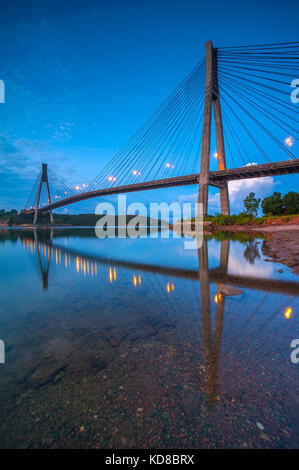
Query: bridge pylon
x: 212, y: 96
x: 43, y: 179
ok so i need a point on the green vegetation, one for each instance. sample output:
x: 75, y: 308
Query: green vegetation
x: 278, y: 205
x: 12, y: 218
x: 274, y: 207
x: 251, y: 204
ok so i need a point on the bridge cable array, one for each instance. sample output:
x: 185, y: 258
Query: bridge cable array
x: 168, y: 144
x: 255, y: 89
x: 260, y: 123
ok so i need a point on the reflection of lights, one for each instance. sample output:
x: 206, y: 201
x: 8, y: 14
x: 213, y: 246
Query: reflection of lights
x: 217, y: 298
x: 77, y: 264
x: 169, y: 287
x: 288, y: 313
x: 110, y: 274
x: 114, y: 274
x: 135, y: 280
x: 139, y: 280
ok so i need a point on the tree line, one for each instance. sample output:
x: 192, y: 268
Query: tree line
x: 276, y: 204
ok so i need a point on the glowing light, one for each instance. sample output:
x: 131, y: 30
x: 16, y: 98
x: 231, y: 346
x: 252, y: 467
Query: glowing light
x: 289, y: 141
x: 114, y: 274
x: 77, y: 264
x: 110, y: 274
x: 217, y: 298
x: 216, y: 155
x: 135, y: 280
x: 136, y: 173
x: 288, y: 313
x: 172, y: 287
x: 77, y: 188
x: 169, y: 165
x: 111, y: 178
x: 168, y: 287
x: 139, y: 280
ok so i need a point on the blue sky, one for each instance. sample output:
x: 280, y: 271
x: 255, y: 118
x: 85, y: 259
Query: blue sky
x: 82, y: 76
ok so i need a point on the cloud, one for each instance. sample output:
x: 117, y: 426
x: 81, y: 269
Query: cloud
x: 238, y: 190
x: 23, y: 157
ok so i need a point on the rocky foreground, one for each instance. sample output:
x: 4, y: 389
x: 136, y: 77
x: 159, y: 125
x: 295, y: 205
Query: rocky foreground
x: 283, y: 247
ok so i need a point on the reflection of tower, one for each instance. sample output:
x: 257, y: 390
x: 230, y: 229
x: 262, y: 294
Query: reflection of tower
x: 212, y: 346
x: 43, y: 179
x: 44, y: 271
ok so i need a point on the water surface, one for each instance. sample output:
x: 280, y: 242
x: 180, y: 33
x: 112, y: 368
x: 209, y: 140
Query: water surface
x: 130, y: 343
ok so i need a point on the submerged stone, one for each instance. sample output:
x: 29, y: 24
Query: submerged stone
x: 230, y: 290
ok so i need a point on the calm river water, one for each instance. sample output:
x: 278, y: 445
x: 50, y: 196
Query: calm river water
x: 131, y: 343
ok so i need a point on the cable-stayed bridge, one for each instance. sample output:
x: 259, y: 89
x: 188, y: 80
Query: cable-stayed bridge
x: 233, y: 117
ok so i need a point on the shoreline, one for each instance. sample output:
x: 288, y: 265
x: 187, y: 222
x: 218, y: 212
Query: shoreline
x: 281, y: 242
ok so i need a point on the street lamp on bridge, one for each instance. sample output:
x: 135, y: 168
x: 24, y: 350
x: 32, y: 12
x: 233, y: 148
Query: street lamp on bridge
x: 289, y: 143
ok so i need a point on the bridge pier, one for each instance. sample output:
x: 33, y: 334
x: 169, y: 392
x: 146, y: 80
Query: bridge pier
x: 43, y: 179
x: 212, y: 96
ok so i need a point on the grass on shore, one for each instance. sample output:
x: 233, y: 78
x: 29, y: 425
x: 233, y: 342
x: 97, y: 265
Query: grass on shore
x: 245, y: 219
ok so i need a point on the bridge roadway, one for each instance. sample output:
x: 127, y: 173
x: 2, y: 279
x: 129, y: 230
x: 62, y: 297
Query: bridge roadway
x: 217, y: 179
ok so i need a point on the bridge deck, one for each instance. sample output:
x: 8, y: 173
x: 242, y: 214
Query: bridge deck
x: 217, y: 178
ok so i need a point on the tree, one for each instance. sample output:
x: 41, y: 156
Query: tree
x: 291, y: 202
x: 273, y: 205
x: 251, y: 204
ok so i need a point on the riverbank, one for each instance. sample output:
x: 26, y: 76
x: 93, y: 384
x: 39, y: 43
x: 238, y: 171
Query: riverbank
x: 283, y: 246
x: 281, y: 240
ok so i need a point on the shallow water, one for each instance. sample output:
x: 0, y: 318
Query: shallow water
x: 130, y: 343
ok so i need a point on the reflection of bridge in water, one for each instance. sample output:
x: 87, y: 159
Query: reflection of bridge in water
x: 215, y: 275
x: 48, y: 252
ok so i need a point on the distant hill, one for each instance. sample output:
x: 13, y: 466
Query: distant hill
x: 80, y: 220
